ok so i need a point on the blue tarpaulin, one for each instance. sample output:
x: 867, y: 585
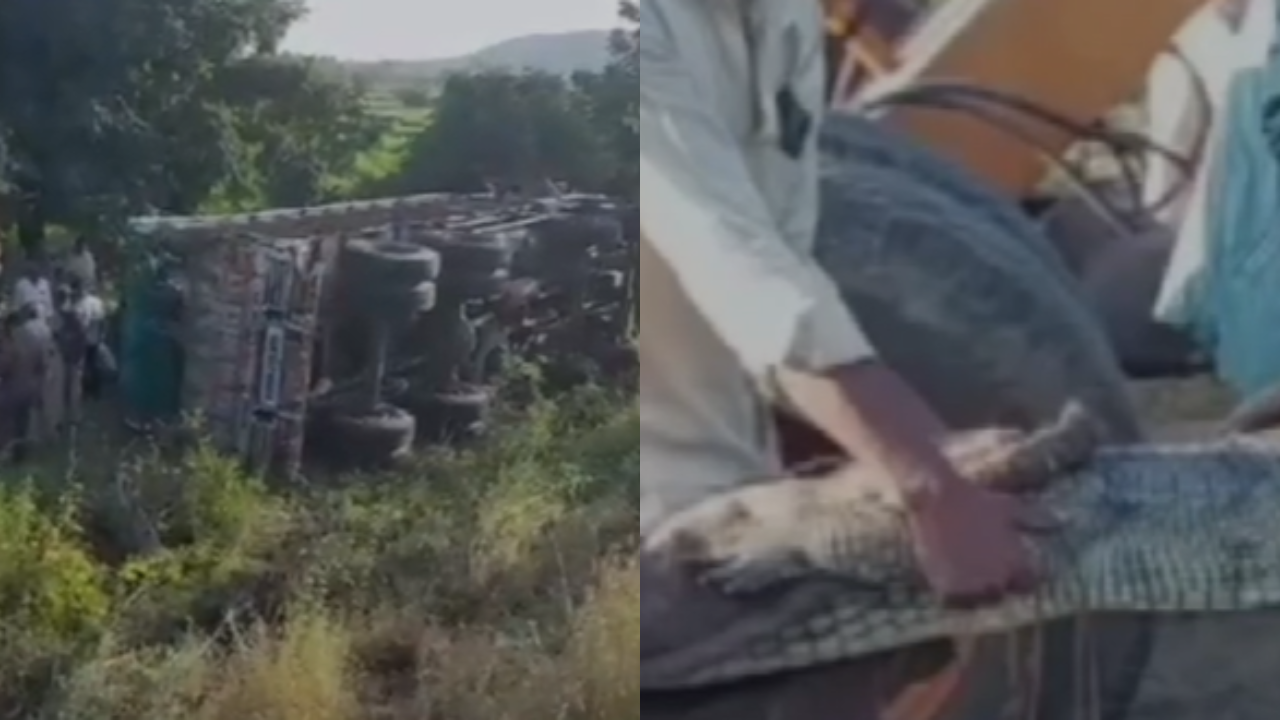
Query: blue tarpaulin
x: 1235, y: 311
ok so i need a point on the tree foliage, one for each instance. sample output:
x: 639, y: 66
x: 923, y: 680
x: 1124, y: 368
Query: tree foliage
x: 298, y: 130
x: 615, y: 96
x: 524, y: 129
x: 119, y: 106
x: 509, y: 129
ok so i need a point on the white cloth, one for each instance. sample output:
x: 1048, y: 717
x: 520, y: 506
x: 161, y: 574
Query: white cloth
x: 728, y: 288
x: 1218, y: 53
x: 1175, y: 101
x: 36, y: 293
x: 91, y: 312
x: 83, y: 266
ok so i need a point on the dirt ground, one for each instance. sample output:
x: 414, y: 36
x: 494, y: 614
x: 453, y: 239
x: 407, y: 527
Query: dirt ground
x: 1183, y: 409
x: 1206, y: 667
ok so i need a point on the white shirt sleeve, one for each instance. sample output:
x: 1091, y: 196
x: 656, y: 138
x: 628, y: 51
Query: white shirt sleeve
x: 704, y: 216
x: 30, y: 293
x: 23, y: 293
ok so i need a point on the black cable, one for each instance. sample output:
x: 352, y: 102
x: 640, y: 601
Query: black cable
x: 1004, y: 116
x: 1008, y: 113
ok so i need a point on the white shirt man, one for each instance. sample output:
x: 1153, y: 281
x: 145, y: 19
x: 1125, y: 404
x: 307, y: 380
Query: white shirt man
x: 33, y: 376
x: 34, y: 292
x: 731, y: 92
x: 82, y: 265
x: 91, y: 313
x: 731, y: 97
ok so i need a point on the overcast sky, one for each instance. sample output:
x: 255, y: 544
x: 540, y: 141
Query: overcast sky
x: 424, y: 29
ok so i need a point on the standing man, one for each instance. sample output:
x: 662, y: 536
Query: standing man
x: 731, y: 98
x: 80, y: 339
x: 82, y: 265
x: 28, y: 351
x: 738, y: 315
x: 34, y: 289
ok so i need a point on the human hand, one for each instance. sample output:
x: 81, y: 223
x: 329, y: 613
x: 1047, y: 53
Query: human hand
x: 970, y: 542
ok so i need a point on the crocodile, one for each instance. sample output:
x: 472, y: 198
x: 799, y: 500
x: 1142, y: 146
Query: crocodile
x: 825, y: 573
x: 789, y: 529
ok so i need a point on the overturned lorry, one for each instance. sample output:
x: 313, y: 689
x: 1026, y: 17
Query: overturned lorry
x: 354, y: 330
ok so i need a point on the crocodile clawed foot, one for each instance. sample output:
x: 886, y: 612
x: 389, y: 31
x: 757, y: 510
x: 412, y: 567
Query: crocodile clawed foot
x: 986, y: 457
x: 1018, y: 462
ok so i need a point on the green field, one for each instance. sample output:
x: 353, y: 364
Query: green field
x: 388, y: 106
x: 385, y: 159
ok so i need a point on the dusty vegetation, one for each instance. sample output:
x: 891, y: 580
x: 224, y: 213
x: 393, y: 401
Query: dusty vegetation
x: 486, y: 584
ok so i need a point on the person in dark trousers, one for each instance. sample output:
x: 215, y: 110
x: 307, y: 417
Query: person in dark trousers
x: 22, y: 373
x: 83, y: 339
x: 81, y: 265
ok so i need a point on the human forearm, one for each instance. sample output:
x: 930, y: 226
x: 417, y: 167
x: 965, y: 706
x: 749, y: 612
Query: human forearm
x: 872, y: 414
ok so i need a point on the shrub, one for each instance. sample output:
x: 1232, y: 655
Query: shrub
x: 480, y: 585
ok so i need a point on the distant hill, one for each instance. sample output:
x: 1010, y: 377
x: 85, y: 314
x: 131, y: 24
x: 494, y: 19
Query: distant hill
x: 559, y: 53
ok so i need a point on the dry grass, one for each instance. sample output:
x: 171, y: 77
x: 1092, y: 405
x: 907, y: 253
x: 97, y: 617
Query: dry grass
x: 499, y: 584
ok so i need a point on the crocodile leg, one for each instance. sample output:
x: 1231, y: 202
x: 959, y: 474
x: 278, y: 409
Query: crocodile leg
x: 1014, y: 461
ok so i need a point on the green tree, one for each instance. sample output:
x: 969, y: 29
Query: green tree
x: 413, y: 98
x: 612, y: 99
x: 508, y: 128
x: 626, y: 40
x: 112, y: 107
x: 299, y: 130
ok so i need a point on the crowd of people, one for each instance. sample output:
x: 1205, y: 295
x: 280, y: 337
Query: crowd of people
x: 53, y: 352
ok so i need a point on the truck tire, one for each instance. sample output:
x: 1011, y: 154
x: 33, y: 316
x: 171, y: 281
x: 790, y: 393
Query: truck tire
x: 465, y: 285
x: 358, y: 440
x: 388, y: 265
x: 855, y: 140
x: 460, y: 413
x: 395, y: 305
x: 422, y: 298
x: 965, y: 311
x: 470, y: 254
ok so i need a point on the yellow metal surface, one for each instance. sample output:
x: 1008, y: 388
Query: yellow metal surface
x: 1081, y: 58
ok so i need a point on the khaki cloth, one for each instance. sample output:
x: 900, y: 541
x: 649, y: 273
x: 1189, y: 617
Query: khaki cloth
x: 34, y: 383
